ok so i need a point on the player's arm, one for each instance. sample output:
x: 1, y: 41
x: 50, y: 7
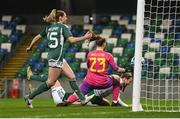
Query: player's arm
x: 72, y: 39
x: 69, y: 37
x: 121, y: 70
x: 114, y: 65
x: 35, y: 39
x: 122, y: 103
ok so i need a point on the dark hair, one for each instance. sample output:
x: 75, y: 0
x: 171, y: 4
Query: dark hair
x: 59, y: 13
x: 100, y: 41
x: 126, y: 75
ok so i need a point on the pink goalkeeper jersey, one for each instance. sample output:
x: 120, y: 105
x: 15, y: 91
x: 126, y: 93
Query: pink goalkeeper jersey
x: 98, y: 62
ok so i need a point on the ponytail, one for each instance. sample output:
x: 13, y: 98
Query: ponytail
x: 51, y: 17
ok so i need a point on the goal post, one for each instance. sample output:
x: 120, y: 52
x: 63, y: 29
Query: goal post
x: 138, y: 54
x: 156, y: 82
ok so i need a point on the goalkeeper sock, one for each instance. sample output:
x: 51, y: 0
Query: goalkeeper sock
x: 76, y: 89
x: 116, y: 88
x: 72, y: 98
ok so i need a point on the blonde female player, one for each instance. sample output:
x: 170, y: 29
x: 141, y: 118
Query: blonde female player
x: 57, y: 34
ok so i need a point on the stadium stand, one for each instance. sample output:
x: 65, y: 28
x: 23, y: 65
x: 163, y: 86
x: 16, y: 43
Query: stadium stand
x: 163, y: 50
x: 12, y: 30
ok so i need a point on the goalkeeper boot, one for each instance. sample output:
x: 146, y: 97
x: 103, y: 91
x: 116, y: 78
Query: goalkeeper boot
x: 29, y: 73
x: 28, y: 101
x: 87, y: 99
x: 116, y: 104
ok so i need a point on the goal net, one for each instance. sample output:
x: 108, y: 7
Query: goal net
x: 157, y: 81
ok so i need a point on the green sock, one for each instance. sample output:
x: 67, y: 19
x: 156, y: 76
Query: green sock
x: 96, y: 100
x: 67, y: 95
x: 40, y: 89
x: 90, y: 93
x: 41, y: 77
x: 76, y: 89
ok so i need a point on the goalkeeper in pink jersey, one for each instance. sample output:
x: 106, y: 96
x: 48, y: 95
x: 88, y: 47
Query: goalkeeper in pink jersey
x: 97, y: 75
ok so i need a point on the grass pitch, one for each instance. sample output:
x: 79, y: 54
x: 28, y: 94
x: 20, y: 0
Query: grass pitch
x: 45, y: 108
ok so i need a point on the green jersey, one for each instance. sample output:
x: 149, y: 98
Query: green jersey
x: 56, y: 35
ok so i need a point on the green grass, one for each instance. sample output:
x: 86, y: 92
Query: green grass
x: 163, y: 104
x: 16, y: 108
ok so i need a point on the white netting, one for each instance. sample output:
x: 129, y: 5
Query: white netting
x: 160, y: 84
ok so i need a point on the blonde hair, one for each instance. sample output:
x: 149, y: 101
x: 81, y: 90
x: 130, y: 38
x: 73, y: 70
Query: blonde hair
x: 54, y: 15
x: 51, y: 17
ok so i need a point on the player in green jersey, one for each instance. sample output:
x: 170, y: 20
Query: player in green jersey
x: 57, y: 34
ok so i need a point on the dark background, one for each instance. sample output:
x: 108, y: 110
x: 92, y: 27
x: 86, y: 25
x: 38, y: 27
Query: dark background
x: 77, y: 7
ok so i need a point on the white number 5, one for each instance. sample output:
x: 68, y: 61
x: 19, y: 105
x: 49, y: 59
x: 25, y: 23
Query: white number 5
x: 53, y: 37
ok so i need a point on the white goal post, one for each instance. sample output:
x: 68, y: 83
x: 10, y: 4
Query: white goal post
x: 138, y: 55
x: 156, y: 83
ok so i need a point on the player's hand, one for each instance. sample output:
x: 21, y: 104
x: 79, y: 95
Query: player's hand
x: 95, y: 37
x: 28, y: 49
x: 88, y: 35
x: 123, y: 70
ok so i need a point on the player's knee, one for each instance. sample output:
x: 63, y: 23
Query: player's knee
x: 73, y: 78
x: 116, y: 77
x: 50, y: 83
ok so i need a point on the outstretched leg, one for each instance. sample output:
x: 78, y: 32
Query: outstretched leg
x: 67, y: 71
x: 53, y: 76
x: 84, y: 88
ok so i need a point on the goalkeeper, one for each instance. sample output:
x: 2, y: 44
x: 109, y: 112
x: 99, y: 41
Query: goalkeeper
x: 95, y: 97
x: 100, y: 95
